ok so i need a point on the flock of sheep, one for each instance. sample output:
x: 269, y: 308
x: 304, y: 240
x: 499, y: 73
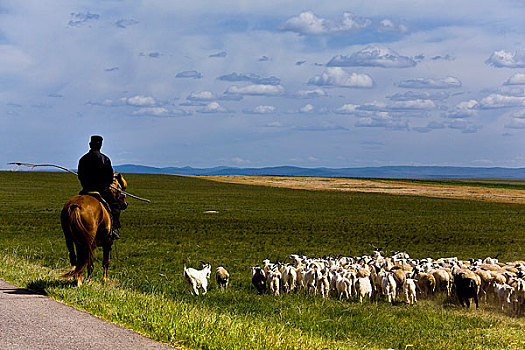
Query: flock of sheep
x: 391, y: 278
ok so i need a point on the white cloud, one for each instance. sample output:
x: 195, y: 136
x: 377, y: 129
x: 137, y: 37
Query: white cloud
x: 516, y: 79
x: 240, y: 161
x: 387, y: 25
x: 213, y: 107
x: 77, y: 19
x: 160, y: 112
x: 253, y: 78
x: 202, y: 96
x: 465, y: 126
x: 189, y: 74
x: 459, y: 114
x: 373, y: 56
x: 124, y: 23
x: 413, y: 104
x: 516, y: 123
x: 465, y: 105
x: 157, y: 111
x: 519, y: 114
x: 307, y: 109
x: 419, y: 95
x: 510, y: 90
x: 13, y: 60
x: 501, y: 101
x: 348, y: 109
x: 447, y: 57
x: 430, y: 127
x: 140, y: 101
x: 425, y: 83
x: 464, y: 109
x: 381, y: 120
x: 336, y: 76
x: 307, y: 23
x: 261, y: 110
x: 317, y: 92
x: 256, y: 90
x: 504, y: 59
x: 221, y: 54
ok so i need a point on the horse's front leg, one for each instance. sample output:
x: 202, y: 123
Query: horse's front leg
x: 105, y: 260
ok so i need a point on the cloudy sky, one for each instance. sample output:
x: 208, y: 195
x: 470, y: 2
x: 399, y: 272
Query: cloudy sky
x: 264, y: 83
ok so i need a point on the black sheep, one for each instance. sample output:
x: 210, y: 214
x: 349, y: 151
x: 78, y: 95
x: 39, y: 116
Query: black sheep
x: 259, y: 280
x: 467, y: 287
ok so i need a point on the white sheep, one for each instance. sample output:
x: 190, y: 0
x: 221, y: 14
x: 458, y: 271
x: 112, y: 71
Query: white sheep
x: 222, y: 277
x: 364, y: 288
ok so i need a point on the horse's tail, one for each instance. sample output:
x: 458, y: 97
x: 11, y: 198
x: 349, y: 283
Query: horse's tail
x: 76, y: 233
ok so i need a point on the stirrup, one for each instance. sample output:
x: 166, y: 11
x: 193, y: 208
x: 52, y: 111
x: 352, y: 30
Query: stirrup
x: 115, y: 234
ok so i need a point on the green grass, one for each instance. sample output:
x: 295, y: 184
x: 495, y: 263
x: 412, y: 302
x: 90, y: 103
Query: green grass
x: 252, y: 223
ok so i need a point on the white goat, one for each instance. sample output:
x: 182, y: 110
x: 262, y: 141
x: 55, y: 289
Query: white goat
x: 388, y: 285
x: 289, y: 278
x: 409, y: 288
x: 503, y: 293
x: 343, y: 286
x: 197, y: 278
x: 273, y: 279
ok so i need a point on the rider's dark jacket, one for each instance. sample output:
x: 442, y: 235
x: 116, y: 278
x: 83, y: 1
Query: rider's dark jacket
x: 95, y: 171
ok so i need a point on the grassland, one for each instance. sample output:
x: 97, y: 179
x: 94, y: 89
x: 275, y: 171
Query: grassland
x: 251, y: 223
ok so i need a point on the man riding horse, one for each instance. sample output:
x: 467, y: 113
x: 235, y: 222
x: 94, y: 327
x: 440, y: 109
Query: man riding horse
x: 96, y: 175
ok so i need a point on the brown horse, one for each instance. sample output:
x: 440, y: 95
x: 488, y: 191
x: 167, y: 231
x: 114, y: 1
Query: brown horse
x: 87, y: 224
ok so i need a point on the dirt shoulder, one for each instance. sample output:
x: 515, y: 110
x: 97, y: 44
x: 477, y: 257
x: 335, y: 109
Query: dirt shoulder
x: 396, y: 187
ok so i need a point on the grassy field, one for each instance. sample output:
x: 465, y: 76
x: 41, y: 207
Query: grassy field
x: 252, y: 223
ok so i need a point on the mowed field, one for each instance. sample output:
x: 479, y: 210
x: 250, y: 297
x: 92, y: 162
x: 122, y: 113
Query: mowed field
x: 237, y: 226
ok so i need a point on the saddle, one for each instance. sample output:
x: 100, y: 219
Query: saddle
x: 105, y: 204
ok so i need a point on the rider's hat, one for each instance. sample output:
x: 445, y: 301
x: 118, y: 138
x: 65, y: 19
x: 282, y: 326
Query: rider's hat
x: 96, y: 139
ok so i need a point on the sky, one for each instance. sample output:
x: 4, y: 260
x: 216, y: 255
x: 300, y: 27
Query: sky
x: 264, y: 83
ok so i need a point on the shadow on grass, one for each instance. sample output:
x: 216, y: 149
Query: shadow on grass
x: 41, y: 286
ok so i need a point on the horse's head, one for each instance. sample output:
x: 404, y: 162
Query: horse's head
x: 118, y: 187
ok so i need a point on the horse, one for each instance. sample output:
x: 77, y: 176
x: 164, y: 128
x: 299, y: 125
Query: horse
x: 86, y: 223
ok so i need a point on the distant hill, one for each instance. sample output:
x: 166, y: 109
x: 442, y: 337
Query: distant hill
x: 399, y: 172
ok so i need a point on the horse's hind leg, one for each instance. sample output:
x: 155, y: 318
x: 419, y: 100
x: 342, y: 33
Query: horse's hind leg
x: 70, y: 247
x: 90, y: 269
x: 105, y: 260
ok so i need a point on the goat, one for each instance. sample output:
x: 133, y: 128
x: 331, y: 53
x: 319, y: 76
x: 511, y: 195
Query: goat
x: 343, y: 286
x: 409, y: 288
x: 274, y: 277
x: 223, y: 278
x: 289, y: 278
x: 196, y: 279
x: 311, y: 279
x: 388, y: 286
x: 503, y: 293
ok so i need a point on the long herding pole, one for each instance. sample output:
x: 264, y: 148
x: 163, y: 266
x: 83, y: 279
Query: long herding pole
x: 74, y: 173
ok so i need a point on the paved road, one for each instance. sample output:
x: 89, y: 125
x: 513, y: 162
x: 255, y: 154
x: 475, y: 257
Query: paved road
x: 32, y: 321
